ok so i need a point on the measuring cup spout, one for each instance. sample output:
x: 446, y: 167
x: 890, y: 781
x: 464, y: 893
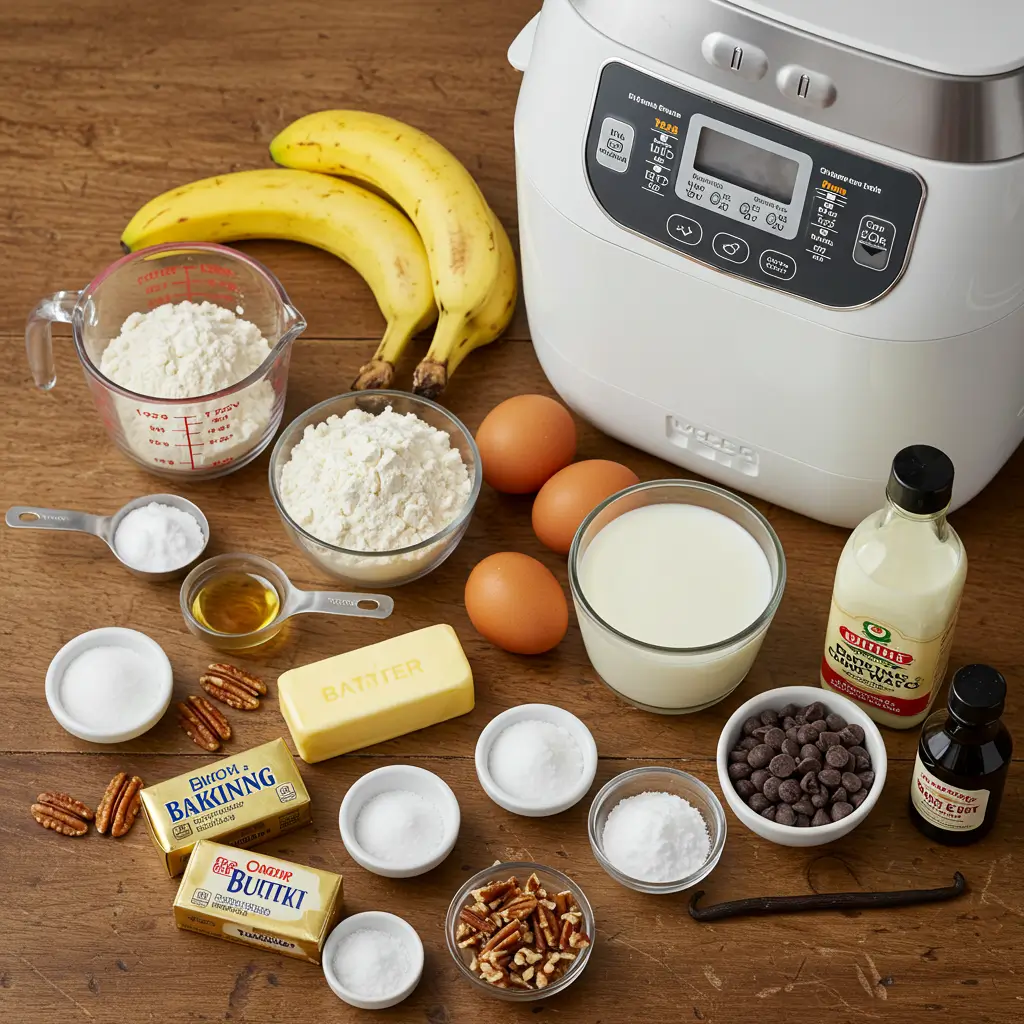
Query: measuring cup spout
x: 56, y: 309
x: 326, y: 602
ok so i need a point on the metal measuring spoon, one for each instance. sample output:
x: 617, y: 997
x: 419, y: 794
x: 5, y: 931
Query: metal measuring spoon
x: 28, y: 517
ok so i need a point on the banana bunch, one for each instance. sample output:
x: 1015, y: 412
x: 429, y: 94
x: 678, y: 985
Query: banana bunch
x: 472, y: 265
x: 346, y: 220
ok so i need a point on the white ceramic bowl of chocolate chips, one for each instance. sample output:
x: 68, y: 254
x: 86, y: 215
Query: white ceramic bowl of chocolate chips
x: 800, y: 765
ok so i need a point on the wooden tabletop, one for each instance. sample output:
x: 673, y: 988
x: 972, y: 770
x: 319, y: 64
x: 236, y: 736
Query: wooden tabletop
x: 108, y: 103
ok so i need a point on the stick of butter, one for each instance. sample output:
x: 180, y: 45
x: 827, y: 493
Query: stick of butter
x: 376, y: 693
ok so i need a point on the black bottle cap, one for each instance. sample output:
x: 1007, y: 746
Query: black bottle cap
x: 977, y: 695
x: 921, y: 480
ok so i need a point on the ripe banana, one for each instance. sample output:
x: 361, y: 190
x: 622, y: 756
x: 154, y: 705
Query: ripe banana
x: 357, y: 226
x: 431, y: 376
x: 466, y: 249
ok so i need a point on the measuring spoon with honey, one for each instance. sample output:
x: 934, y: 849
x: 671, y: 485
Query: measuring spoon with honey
x: 239, y: 601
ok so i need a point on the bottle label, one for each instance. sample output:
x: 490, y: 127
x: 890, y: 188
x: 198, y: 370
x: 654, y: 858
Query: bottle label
x: 878, y: 665
x: 945, y: 806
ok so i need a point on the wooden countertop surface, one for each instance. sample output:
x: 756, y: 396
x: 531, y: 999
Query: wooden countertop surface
x: 108, y: 103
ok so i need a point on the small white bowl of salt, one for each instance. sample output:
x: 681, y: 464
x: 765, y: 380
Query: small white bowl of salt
x: 109, y: 685
x: 536, y: 760
x: 399, y: 821
x: 373, y: 960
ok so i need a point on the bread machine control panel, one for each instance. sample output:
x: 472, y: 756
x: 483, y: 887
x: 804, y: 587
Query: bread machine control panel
x: 746, y: 196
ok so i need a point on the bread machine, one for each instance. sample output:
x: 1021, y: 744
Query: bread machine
x: 775, y: 241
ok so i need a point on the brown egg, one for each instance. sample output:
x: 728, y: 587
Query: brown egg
x: 515, y: 602
x: 525, y: 440
x: 570, y: 495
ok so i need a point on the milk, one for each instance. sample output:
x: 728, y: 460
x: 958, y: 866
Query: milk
x: 673, y: 576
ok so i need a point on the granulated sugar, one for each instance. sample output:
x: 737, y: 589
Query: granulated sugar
x: 536, y: 761
x: 372, y: 964
x: 158, y: 538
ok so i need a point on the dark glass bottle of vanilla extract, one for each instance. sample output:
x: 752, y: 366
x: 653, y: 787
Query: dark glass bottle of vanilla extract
x: 962, y: 760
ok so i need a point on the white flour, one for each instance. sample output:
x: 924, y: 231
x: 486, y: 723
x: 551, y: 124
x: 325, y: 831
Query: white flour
x: 187, y: 350
x: 374, y: 483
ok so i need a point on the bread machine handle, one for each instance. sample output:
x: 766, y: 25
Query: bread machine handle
x: 522, y: 46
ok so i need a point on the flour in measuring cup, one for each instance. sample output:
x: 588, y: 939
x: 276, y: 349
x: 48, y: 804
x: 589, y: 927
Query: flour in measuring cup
x: 187, y: 350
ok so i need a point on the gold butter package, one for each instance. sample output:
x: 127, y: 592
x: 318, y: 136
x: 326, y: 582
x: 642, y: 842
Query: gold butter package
x: 247, y: 897
x: 242, y: 800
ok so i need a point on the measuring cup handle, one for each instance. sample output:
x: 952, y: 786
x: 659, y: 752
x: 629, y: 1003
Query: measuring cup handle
x: 28, y: 517
x: 57, y: 309
x: 325, y: 602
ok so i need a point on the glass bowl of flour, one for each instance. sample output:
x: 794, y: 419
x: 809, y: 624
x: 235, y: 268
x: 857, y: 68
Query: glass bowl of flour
x: 376, y: 487
x: 185, y: 350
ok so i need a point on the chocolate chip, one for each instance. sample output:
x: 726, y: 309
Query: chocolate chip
x: 782, y: 766
x: 809, y: 764
x: 758, y: 802
x: 820, y: 725
x: 788, y: 711
x: 867, y: 778
x: 806, y: 734
x: 840, y: 796
x: 862, y: 764
x: 858, y: 751
x: 792, y: 748
x: 858, y: 798
x: 769, y: 812
x: 829, y: 777
x: 750, y: 725
x: 785, y: 815
x: 821, y: 817
x: 790, y: 791
x: 853, y: 735
x: 841, y: 810
x: 820, y: 799
x: 810, y: 750
x: 789, y: 722
x: 747, y: 743
x: 760, y: 731
x: 852, y: 783
x: 759, y: 778
x: 791, y: 732
x: 740, y: 771
x: 737, y: 755
x: 830, y: 739
x: 771, y: 789
x: 804, y: 806
x: 769, y: 717
x: 809, y: 783
x: 837, y: 757
x: 814, y: 711
x: 745, y: 788
x: 803, y: 820
x: 800, y: 718
x: 760, y: 756
x: 775, y: 737
x: 835, y: 722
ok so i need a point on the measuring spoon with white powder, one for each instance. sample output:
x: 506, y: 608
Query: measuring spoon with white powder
x: 158, y: 533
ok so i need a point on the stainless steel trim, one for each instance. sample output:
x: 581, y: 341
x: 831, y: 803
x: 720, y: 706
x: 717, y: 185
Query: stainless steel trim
x: 766, y: 284
x: 940, y: 117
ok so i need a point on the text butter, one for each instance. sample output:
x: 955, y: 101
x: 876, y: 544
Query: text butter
x: 262, y: 901
x: 242, y: 800
x: 376, y: 693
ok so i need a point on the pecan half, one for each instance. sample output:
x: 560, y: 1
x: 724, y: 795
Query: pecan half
x: 62, y: 813
x: 233, y: 686
x: 196, y: 729
x: 127, y: 807
x: 105, y: 810
x: 213, y: 719
x: 481, y: 924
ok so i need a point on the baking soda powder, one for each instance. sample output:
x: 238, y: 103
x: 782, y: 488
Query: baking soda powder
x: 536, y: 761
x: 158, y: 538
x: 372, y: 964
x: 399, y: 827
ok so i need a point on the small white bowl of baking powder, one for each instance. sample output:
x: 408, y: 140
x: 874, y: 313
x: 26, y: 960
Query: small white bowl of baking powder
x: 109, y: 685
x: 536, y: 760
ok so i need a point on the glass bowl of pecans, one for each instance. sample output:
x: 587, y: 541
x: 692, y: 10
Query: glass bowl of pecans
x: 520, y: 931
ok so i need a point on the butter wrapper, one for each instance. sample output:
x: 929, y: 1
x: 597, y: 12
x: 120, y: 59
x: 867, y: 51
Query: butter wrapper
x: 243, y: 800
x: 258, y: 900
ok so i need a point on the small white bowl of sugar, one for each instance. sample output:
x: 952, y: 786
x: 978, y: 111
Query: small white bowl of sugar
x: 536, y: 760
x: 399, y: 821
x: 373, y: 960
x: 109, y: 685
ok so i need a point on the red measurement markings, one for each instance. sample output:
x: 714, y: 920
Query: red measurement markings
x: 190, y: 442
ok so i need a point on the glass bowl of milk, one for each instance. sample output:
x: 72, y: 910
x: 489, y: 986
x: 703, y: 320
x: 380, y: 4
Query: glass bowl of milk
x: 675, y: 584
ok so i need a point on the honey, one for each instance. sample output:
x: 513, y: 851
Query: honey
x: 235, y: 603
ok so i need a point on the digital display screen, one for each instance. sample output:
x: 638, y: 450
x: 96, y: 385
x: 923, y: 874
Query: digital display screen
x: 740, y: 163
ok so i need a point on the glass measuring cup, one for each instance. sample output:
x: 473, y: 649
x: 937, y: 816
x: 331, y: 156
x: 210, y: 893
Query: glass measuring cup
x: 201, y: 437
x: 28, y: 517
x: 291, y: 600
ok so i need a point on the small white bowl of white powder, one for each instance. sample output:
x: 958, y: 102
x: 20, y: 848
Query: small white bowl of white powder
x: 657, y: 830
x: 536, y: 760
x: 373, y: 960
x: 109, y: 685
x: 399, y: 821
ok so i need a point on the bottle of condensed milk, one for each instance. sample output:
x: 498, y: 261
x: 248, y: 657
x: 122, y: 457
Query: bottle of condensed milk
x: 896, y: 596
